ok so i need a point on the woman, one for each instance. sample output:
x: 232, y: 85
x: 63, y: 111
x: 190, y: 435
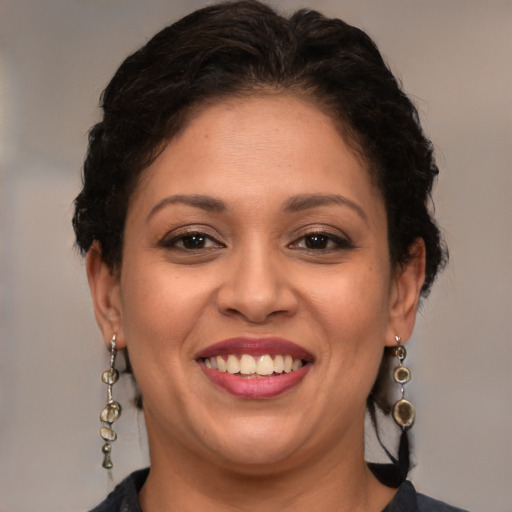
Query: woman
x: 255, y: 219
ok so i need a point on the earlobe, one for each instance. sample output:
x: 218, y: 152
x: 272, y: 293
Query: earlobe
x: 106, y: 298
x: 405, y: 294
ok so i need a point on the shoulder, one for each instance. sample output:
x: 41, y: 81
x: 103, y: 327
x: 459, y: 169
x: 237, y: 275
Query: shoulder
x: 426, y: 504
x: 125, y: 497
x: 408, y: 500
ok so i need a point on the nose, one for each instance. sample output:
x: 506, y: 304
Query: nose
x: 256, y: 287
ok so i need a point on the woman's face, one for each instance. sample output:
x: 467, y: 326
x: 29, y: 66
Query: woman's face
x: 255, y: 242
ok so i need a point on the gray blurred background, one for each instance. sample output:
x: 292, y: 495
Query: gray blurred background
x: 454, y: 57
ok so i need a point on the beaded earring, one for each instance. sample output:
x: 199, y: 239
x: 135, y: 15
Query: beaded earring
x: 112, y: 409
x: 404, y: 412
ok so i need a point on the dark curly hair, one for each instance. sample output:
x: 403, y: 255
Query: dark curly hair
x: 243, y: 48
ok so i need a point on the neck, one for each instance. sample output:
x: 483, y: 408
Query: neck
x: 337, y: 480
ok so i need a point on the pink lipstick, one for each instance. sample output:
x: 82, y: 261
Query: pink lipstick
x: 255, y: 368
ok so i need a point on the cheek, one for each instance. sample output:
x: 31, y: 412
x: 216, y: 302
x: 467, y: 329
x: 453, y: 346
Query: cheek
x: 354, y: 314
x: 160, y: 307
x: 353, y: 298
x: 160, y: 311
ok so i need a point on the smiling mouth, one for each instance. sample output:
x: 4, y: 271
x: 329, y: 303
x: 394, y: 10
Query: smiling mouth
x: 253, y: 367
x: 257, y: 369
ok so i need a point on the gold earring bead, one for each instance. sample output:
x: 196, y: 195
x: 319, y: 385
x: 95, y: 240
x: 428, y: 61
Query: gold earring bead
x: 404, y: 413
x: 402, y: 375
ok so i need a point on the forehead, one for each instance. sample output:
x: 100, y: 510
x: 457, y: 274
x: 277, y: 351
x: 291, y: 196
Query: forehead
x: 258, y: 145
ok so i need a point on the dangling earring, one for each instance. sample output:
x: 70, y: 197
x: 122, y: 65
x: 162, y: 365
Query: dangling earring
x: 112, y: 409
x: 404, y: 412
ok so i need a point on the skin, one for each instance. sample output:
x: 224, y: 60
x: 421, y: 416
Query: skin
x: 257, y: 275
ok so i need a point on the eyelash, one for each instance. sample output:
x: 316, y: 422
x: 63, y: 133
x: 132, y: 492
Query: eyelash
x: 172, y: 243
x: 322, y: 237
x: 341, y: 243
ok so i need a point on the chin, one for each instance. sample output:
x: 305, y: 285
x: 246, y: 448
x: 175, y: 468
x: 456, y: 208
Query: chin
x: 252, y: 444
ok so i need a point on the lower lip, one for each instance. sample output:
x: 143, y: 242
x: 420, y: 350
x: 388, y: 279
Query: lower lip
x: 259, y: 388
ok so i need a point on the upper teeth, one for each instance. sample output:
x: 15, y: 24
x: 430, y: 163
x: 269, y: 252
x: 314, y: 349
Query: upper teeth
x: 250, y: 365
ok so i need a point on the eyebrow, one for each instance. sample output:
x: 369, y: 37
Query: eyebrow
x: 307, y: 201
x: 203, y: 202
x: 296, y: 203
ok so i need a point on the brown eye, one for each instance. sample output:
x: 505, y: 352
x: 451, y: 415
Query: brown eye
x: 194, y: 241
x: 316, y: 241
x: 191, y: 241
x: 321, y: 242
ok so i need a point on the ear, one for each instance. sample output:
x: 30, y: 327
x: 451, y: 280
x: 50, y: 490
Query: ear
x: 405, y: 294
x: 106, y: 297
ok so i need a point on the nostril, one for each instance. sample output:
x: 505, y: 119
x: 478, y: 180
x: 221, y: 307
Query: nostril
x: 256, y: 309
x: 250, y: 315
